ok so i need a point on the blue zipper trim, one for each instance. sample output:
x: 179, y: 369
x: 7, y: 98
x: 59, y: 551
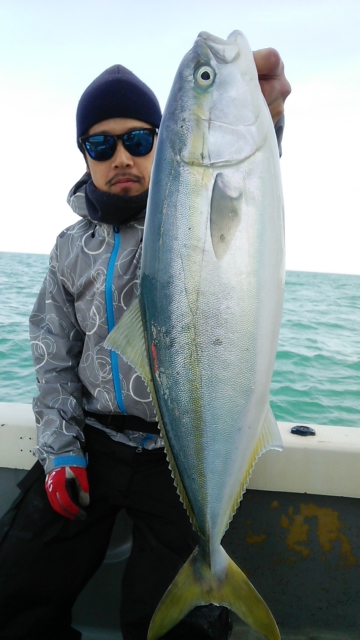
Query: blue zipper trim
x: 111, y: 318
x: 143, y: 442
x: 70, y: 461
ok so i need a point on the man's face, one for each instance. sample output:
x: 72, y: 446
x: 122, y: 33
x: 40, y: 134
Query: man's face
x: 123, y: 174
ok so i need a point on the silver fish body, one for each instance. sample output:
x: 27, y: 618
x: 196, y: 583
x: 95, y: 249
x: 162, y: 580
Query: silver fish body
x: 211, y: 292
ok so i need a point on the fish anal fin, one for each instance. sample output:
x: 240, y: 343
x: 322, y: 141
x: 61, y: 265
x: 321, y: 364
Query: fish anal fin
x: 270, y: 434
x: 269, y: 438
x: 196, y: 585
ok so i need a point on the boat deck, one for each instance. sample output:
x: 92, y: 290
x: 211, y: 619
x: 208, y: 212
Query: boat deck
x: 242, y: 633
x: 239, y: 633
x: 295, y: 535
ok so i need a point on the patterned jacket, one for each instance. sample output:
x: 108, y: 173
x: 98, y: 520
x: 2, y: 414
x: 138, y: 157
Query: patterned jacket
x: 93, y: 277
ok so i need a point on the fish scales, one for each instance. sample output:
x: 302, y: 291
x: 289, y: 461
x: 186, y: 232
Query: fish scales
x: 211, y: 291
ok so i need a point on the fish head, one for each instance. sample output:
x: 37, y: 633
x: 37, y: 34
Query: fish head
x: 217, y: 104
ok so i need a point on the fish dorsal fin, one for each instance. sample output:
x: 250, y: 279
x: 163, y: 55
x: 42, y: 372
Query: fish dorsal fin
x: 269, y: 438
x: 225, y: 216
x: 129, y: 340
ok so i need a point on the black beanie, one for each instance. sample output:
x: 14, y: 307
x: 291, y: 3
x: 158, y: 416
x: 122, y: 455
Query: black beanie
x: 116, y: 93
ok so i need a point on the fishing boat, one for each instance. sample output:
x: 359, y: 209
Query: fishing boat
x: 296, y: 534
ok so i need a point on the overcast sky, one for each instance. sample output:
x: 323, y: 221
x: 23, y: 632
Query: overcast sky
x: 50, y: 50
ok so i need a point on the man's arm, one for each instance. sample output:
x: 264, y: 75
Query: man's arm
x: 56, y: 344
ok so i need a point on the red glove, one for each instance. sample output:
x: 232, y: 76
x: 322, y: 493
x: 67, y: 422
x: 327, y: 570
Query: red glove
x: 68, y: 489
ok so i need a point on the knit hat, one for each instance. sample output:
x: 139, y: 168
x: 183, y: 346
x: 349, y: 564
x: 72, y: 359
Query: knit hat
x: 116, y: 93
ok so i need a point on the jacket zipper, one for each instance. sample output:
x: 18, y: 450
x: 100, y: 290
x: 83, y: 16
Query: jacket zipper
x: 114, y: 359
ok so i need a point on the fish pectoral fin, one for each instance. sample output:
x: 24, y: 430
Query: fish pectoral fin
x: 225, y: 216
x: 195, y: 585
x: 128, y: 339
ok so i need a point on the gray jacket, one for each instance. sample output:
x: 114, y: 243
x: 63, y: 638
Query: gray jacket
x: 93, y: 277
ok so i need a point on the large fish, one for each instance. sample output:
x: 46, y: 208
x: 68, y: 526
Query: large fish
x: 204, y: 331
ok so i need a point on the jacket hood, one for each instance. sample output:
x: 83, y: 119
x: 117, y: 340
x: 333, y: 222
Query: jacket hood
x: 76, y: 196
x: 105, y: 208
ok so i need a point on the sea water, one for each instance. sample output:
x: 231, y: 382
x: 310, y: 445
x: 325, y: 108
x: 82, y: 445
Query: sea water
x: 317, y: 371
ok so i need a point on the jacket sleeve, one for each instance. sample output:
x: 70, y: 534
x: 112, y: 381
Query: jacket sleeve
x: 57, y: 344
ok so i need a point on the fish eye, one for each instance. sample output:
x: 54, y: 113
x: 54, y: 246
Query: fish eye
x: 205, y: 76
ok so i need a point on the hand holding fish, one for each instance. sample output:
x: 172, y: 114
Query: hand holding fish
x: 273, y: 82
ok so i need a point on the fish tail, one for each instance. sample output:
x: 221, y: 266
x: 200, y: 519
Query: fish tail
x: 226, y: 585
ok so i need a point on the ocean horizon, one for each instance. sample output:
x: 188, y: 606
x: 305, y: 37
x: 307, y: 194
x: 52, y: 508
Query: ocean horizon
x: 316, y: 377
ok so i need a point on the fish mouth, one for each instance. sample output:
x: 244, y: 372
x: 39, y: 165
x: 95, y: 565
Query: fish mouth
x: 224, y: 51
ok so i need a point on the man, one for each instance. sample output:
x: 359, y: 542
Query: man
x: 96, y: 423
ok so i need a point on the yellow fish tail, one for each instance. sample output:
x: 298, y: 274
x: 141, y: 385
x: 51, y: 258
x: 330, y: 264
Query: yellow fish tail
x: 197, y: 584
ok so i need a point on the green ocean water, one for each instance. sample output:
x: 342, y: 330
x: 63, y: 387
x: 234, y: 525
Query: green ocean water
x: 317, y: 371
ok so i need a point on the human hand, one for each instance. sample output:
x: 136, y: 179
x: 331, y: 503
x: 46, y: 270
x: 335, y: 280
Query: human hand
x: 68, y: 489
x: 273, y: 83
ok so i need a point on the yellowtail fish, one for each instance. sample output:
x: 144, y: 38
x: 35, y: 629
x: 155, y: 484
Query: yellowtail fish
x: 204, y: 331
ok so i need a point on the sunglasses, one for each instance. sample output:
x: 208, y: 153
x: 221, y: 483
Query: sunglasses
x: 102, y: 146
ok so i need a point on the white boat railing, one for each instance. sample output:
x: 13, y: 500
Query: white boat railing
x: 327, y: 463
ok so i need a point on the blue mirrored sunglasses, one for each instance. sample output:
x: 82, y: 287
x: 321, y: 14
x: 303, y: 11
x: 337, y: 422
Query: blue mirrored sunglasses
x: 101, y: 146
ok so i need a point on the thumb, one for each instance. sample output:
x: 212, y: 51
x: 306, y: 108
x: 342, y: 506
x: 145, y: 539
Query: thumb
x: 77, y: 476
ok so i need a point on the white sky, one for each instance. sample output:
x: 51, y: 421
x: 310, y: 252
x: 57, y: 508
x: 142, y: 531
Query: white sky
x: 50, y: 50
